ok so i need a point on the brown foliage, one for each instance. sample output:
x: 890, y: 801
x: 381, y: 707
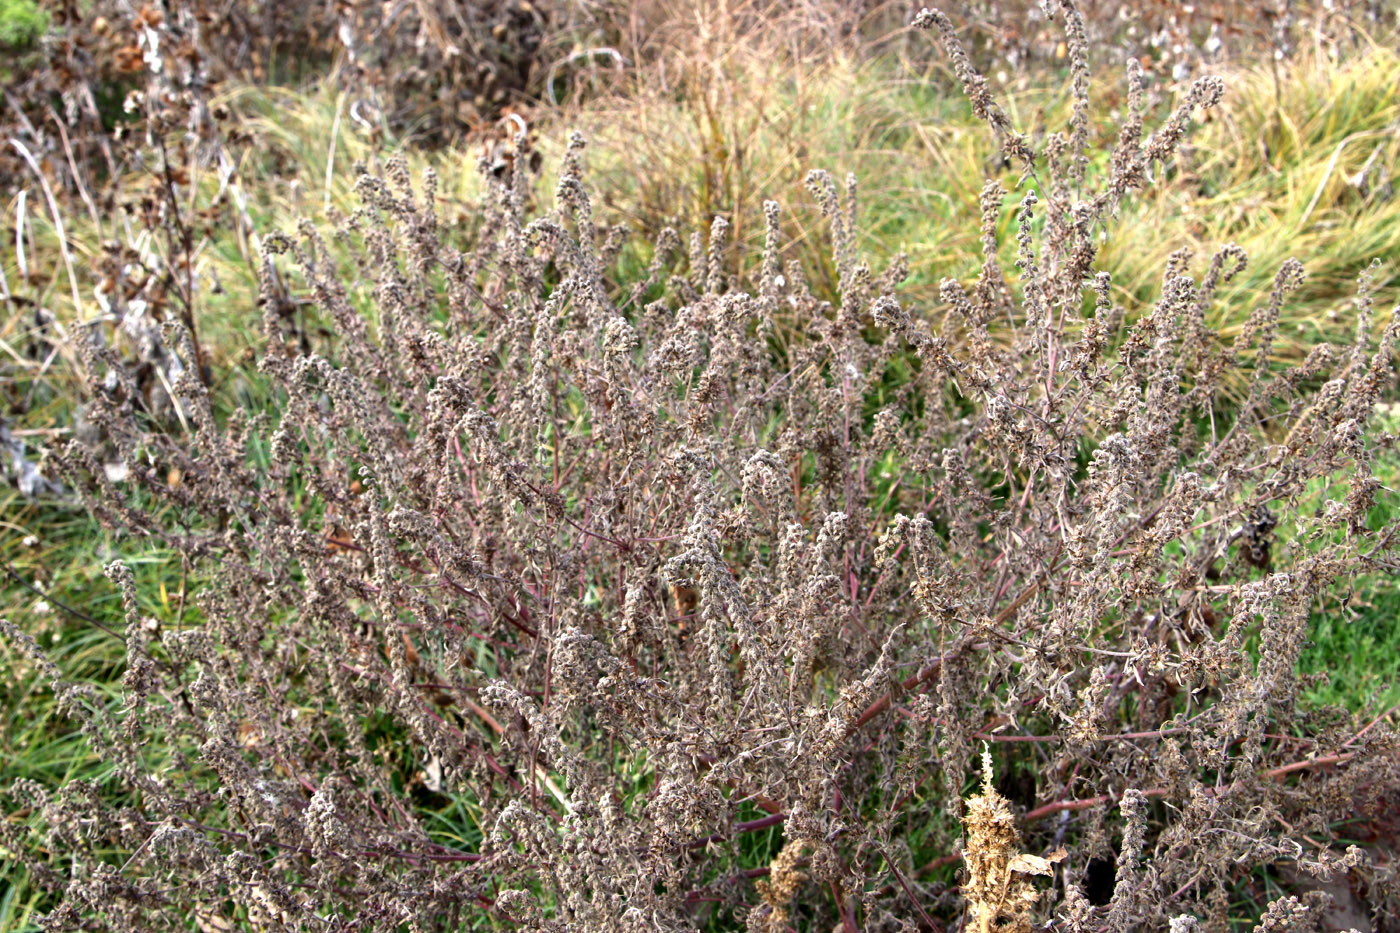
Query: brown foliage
x: 458, y: 542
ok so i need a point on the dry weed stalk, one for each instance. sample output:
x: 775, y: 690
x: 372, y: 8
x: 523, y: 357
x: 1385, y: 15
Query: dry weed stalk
x: 1000, y: 894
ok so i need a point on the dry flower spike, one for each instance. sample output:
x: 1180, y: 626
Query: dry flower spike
x: 1000, y: 894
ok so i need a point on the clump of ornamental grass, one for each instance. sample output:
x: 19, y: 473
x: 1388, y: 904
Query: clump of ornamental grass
x: 601, y: 565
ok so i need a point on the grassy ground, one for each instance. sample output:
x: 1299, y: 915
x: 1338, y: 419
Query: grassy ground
x: 1358, y: 648
x: 1293, y: 169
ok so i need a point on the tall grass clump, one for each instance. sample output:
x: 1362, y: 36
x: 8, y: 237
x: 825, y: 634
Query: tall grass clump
x: 550, y: 598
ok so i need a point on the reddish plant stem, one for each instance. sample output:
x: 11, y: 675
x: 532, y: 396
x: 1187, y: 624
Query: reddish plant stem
x: 748, y: 827
x: 1088, y: 802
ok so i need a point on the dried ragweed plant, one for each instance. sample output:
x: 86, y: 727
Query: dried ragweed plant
x: 999, y: 893
x: 538, y: 590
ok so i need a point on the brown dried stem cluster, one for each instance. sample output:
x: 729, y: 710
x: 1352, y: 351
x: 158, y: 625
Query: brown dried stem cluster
x: 629, y: 576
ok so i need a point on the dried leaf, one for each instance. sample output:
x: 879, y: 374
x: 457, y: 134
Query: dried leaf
x: 1028, y: 864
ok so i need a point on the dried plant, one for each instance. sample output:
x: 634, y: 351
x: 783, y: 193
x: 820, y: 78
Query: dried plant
x: 999, y: 893
x: 599, y: 561
x: 443, y: 67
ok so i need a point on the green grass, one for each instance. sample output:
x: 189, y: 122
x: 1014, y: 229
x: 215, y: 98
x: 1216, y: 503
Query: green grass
x: 35, y: 740
x: 1359, y: 650
x: 1358, y: 644
x: 1274, y: 174
x: 22, y: 22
